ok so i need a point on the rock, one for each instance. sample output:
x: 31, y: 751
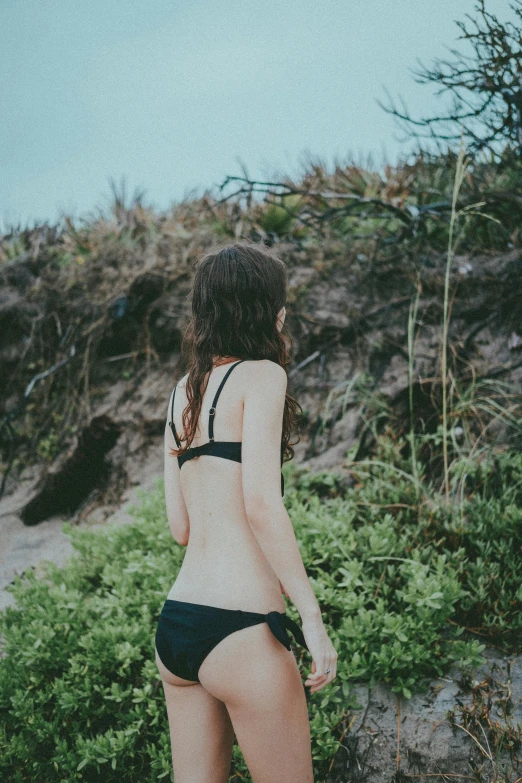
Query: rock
x: 73, y: 476
x: 430, y: 742
x: 32, y: 547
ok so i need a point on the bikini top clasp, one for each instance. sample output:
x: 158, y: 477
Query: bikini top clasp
x: 211, y: 415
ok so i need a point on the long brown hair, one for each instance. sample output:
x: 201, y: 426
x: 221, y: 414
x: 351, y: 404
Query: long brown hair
x: 237, y: 291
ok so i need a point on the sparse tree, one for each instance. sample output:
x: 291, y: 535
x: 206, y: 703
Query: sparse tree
x: 485, y: 86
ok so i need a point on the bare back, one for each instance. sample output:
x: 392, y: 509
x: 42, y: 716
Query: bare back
x: 224, y: 565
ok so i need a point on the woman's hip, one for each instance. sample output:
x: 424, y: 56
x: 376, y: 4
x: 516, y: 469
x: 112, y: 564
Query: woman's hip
x: 188, y: 631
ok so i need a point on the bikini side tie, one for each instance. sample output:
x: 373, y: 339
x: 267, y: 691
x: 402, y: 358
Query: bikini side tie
x: 279, y: 622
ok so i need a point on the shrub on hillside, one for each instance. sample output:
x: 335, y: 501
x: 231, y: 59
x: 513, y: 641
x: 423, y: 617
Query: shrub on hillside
x: 80, y: 697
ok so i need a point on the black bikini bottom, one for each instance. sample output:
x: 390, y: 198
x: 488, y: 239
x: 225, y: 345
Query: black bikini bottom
x: 187, y: 632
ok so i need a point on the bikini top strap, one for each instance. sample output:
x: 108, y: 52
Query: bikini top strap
x: 171, y: 422
x: 212, y: 411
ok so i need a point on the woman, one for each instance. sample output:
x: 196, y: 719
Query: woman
x: 222, y: 644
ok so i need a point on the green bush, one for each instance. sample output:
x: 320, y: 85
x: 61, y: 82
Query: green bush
x: 278, y: 218
x: 394, y: 572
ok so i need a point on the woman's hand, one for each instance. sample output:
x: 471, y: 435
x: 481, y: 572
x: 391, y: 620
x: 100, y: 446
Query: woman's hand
x: 324, y: 655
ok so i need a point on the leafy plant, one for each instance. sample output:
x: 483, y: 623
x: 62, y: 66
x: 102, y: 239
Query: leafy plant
x: 398, y: 575
x: 277, y: 218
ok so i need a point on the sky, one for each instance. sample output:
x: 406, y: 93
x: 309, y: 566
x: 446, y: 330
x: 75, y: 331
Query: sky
x: 171, y: 96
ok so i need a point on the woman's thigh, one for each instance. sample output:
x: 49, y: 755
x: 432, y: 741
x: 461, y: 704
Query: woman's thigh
x: 201, y: 733
x: 259, y: 682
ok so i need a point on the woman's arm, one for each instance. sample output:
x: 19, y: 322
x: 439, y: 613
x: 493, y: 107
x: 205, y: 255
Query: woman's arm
x: 261, y: 467
x: 176, y: 509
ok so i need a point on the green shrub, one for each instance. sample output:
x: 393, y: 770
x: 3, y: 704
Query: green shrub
x: 79, y: 692
x: 394, y: 572
x: 278, y: 218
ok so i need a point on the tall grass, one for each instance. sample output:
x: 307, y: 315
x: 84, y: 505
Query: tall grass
x: 460, y: 173
x: 412, y: 320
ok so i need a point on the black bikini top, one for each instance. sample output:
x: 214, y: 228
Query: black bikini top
x: 227, y: 449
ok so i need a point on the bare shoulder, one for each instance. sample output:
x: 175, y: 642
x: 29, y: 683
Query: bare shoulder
x: 264, y: 375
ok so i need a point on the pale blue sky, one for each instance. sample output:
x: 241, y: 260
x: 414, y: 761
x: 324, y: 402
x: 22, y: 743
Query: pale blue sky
x: 171, y: 94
